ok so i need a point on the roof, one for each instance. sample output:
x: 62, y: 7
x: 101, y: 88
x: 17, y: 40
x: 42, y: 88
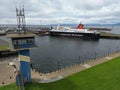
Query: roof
x: 20, y: 35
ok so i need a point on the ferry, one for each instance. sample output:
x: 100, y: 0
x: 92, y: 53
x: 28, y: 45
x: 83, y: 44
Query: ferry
x: 79, y: 31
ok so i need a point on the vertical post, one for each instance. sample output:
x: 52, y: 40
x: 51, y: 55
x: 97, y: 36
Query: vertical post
x: 25, y: 70
x: 58, y: 63
x: 108, y: 51
x: 95, y: 55
x: 19, y: 81
x: 79, y: 60
x: 117, y: 49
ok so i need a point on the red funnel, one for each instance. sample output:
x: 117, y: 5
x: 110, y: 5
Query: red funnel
x: 80, y: 26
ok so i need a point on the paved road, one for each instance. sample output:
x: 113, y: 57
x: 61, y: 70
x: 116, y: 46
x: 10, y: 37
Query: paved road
x: 2, y: 42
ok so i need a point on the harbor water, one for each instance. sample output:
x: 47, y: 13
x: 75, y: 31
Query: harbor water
x: 55, y: 53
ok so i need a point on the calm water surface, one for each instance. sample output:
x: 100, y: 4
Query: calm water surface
x: 54, y: 52
x: 58, y: 52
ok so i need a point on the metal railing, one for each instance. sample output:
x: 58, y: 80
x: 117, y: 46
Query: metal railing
x: 81, y: 60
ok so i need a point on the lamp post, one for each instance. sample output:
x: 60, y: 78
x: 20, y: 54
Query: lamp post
x: 18, y: 76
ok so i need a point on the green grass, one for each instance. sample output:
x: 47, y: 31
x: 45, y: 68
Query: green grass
x: 2, y: 48
x: 105, y: 76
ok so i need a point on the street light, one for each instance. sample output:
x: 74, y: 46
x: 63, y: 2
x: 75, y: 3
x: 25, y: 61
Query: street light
x: 18, y: 76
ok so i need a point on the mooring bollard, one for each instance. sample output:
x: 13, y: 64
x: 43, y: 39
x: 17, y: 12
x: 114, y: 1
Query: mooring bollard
x: 3, y: 83
x: 10, y: 77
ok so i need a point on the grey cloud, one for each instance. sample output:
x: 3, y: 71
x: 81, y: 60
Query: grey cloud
x: 62, y: 11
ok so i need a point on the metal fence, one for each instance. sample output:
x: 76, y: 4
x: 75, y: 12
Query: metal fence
x: 59, y: 64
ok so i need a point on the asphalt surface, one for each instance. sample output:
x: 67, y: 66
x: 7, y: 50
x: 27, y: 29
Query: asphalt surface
x: 2, y: 42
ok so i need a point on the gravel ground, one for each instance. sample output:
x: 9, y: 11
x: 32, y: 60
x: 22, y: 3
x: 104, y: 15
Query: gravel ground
x: 7, y: 74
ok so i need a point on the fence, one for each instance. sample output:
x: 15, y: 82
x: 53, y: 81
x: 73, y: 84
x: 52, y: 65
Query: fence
x: 59, y: 64
x: 81, y: 60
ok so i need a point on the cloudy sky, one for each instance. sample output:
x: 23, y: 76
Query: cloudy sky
x: 62, y: 11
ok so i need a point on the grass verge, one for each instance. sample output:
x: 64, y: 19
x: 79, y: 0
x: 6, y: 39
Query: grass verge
x: 2, y: 48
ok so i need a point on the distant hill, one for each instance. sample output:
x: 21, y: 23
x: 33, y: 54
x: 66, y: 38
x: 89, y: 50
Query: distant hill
x: 72, y: 25
x: 117, y: 24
